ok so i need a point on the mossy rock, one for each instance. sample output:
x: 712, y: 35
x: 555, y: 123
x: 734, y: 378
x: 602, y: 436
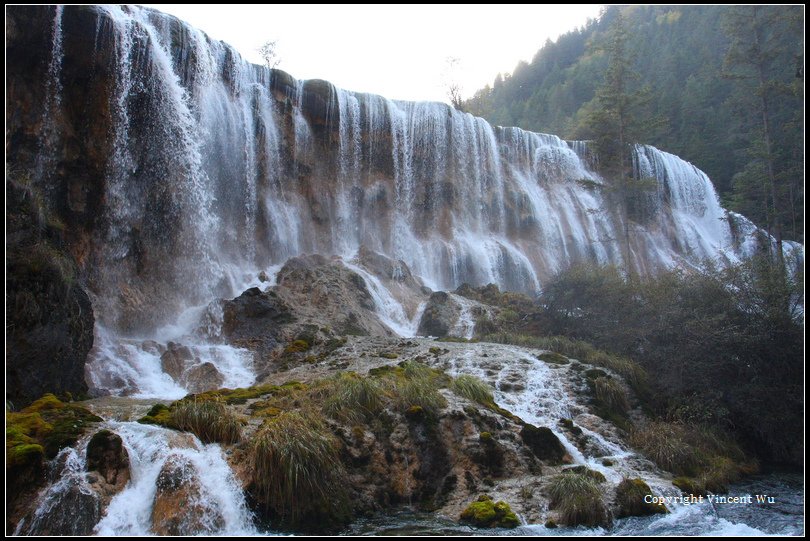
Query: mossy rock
x: 159, y: 414
x: 570, y: 426
x: 594, y: 373
x: 543, y: 443
x: 553, y: 358
x: 297, y: 346
x: 388, y: 355
x: 587, y: 472
x: 435, y: 351
x: 688, y: 485
x: 550, y: 524
x: 630, y: 500
x: 484, y: 513
x: 47, y: 425
x: 485, y: 437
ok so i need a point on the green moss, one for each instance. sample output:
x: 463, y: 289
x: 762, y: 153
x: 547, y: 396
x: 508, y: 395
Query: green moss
x: 159, y: 415
x: 382, y: 371
x: 297, y: 346
x: 553, y: 358
x: 47, y: 402
x: 48, y: 423
x: 630, y: 496
x: 587, y: 472
x: 485, y: 513
x: 485, y: 437
x: 551, y: 524
x: 24, y: 454
x: 688, y: 485
x: 457, y: 339
x: 388, y: 355
x: 435, y: 351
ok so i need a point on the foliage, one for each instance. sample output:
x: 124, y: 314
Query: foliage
x: 704, y: 458
x: 726, y: 345
x: 611, y: 395
x: 269, y: 53
x: 630, y: 496
x: 353, y: 398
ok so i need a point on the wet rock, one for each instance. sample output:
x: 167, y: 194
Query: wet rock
x: 72, y: 511
x: 440, y: 314
x: 630, y: 500
x: 543, y: 443
x: 179, y: 507
x: 107, y: 455
x: 203, y: 377
x: 175, y: 360
x: 49, y: 318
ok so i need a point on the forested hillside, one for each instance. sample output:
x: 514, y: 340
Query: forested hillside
x: 728, y: 83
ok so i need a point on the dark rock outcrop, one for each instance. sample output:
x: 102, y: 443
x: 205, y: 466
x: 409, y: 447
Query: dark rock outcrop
x: 49, y: 318
x: 107, y: 455
x: 439, y: 316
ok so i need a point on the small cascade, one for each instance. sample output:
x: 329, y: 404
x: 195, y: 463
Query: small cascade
x: 464, y: 326
x: 389, y: 309
x: 543, y: 396
x: 216, y: 499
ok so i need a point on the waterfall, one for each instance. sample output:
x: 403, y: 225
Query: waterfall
x: 216, y: 169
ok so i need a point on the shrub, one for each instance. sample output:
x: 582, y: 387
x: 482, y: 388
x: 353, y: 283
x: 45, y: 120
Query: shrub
x: 419, y: 392
x: 577, y: 499
x: 297, y: 470
x: 210, y: 421
x: 472, y: 388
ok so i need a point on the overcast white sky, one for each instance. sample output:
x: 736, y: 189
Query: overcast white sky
x: 397, y: 51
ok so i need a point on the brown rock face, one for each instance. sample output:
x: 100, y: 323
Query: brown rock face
x: 107, y: 455
x: 178, y: 508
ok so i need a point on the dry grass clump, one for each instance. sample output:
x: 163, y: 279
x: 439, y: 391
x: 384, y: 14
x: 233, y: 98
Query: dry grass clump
x: 209, y: 420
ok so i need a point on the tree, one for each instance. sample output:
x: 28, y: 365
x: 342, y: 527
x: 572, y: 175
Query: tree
x: 755, y: 46
x: 451, y: 82
x: 616, y: 120
x: 269, y: 52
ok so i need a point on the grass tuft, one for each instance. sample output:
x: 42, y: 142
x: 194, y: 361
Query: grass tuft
x: 472, y: 388
x: 208, y: 420
x: 577, y: 499
x: 297, y: 470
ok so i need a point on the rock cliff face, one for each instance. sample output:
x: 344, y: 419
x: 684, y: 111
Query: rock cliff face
x: 49, y: 319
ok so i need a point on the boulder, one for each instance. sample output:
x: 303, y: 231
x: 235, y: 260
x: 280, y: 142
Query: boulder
x: 440, y: 314
x: 179, y: 507
x: 107, y: 455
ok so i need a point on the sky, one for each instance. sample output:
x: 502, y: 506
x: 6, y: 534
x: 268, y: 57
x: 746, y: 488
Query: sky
x: 400, y: 52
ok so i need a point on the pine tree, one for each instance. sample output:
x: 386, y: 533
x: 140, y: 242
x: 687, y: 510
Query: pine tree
x: 617, y: 119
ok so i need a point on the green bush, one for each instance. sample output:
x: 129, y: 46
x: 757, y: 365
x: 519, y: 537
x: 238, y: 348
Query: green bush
x: 611, y: 395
